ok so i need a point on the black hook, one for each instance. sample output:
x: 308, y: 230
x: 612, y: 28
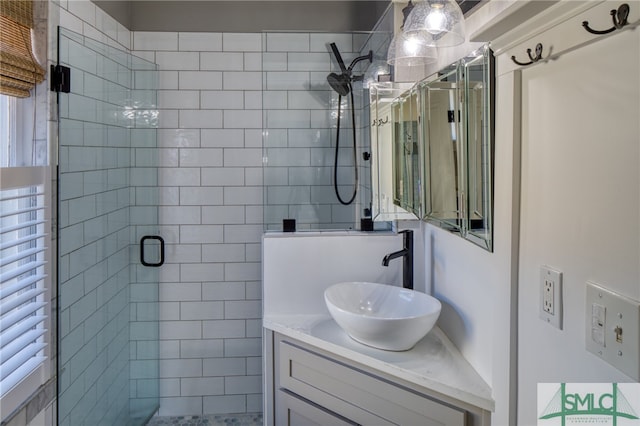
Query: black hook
x: 534, y: 59
x: 619, y: 18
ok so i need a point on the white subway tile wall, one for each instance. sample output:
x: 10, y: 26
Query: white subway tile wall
x: 105, y: 356
x: 300, y: 112
x: 211, y: 102
x: 210, y: 181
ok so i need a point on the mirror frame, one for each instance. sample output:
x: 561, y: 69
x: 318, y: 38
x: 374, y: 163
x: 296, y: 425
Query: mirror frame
x: 480, y: 235
x: 382, y: 96
x: 449, y: 219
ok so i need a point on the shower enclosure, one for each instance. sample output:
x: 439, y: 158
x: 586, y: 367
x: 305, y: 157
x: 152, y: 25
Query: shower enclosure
x: 300, y: 116
x: 108, y: 245
x: 312, y: 172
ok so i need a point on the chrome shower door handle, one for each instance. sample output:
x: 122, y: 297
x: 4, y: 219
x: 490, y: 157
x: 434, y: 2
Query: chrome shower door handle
x: 142, y: 250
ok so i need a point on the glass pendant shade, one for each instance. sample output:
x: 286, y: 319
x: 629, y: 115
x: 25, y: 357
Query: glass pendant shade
x: 410, y: 50
x: 438, y: 23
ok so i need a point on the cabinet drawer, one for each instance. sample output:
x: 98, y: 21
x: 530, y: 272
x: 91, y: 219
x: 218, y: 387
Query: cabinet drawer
x: 293, y: 411
x: 357, y: 395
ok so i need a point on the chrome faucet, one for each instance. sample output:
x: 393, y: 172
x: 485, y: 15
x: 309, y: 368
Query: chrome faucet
x: 407, y: 254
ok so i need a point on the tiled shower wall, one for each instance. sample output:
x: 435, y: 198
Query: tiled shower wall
x: 300, y: 113
x: 210, y: 139
x: 210, y: 179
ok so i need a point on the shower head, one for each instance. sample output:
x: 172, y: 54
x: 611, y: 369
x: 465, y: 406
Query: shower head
x: 341, y: 83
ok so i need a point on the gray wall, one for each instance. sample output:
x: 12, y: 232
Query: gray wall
x: 245, y: 16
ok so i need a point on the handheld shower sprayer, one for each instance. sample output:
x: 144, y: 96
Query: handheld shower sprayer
x: 341, y: 83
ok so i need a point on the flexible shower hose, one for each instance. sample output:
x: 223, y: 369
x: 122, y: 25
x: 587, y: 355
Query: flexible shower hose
x: 355, y: 156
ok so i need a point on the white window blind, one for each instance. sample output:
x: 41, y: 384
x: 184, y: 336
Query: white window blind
x: 24, y: 297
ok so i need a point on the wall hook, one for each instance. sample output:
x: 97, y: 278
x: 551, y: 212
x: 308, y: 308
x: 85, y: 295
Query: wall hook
x: 619, y: 18
x: 534, y: 59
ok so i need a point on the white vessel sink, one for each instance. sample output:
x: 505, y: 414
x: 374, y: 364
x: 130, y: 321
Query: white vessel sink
x: 380, y: 315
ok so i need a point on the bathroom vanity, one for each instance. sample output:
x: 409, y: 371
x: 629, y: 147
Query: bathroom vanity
x: 320, y: 376
x: 314, y: 373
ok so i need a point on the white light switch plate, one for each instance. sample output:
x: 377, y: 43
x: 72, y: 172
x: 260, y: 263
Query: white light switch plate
x: 613, y: 329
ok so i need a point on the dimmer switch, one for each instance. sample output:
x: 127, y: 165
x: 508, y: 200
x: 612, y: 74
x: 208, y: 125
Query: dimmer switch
x: 612, y: 329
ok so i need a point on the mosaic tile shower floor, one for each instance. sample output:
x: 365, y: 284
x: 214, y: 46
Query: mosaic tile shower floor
x: 209, y: 420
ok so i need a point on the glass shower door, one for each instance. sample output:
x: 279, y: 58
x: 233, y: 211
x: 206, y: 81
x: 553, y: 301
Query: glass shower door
x: 107, y: 205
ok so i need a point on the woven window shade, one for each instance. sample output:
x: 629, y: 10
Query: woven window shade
x: 19, y: 71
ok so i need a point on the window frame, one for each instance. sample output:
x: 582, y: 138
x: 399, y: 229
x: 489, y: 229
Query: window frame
x: 18, y: 116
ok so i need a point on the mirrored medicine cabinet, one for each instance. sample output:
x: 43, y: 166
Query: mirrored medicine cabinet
x: 432, y: 149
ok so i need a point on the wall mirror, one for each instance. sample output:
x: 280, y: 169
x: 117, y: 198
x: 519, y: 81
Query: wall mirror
x: 443, y: 139
x: 406, y: 153
x: 457, y: 107
x: 478, y: 74
x: 386, y: 179
x: 432, y: 149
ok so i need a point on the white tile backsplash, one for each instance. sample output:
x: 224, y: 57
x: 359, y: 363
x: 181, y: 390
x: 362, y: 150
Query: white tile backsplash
x: 223, y: 138
x: 201, y: 310
x: 223, y: 329
x: 200, y: 119
x: 222, y: 99
x: 201, y: 386
x: 223, y: 215
x: 247, y: 195
x: 199, y: 42
x: 201, y: 157
x: 201, y: 195
x: 200, y: 80
x: 224, y: 404
x: 308, y: 61
x: 287, y: 42
x: 243, y: 347
x: 224, y: 290
x: 201, y: 234
x: 241, y: 42
x: 180, y: 291
x: 155, y: 40
x: 320, y: 42
x: 242, y: 80
x: 287, y: 80
x: 203, y: 348
x: 178, y: 99
x: 178, y: 60
x: 242, y: 119
x: 242, y: 157
x: 201, y: 272
x: 223, y: 177
x: 225, y: 366
x: 222, y: 61
x: 252, y: 61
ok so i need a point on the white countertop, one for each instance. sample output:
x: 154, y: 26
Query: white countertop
x: 434, y: 363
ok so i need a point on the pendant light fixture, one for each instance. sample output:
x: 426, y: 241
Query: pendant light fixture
x: 437, y: 23
x: 410, y: 49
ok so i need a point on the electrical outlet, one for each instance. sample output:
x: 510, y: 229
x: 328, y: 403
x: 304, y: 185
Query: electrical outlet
x: 551, y: 296
x: 547, y: 296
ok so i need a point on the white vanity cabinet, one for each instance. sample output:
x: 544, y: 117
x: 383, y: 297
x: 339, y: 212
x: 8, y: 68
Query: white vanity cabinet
x: 315, y: 387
